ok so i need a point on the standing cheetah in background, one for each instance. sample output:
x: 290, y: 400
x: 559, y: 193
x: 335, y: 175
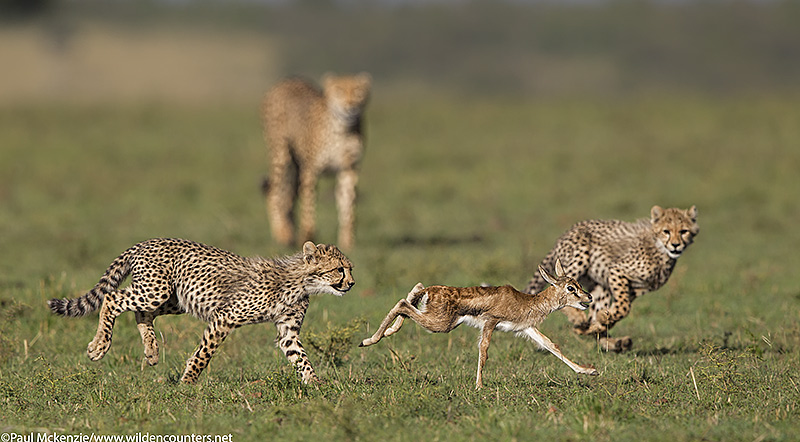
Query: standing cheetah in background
x: 174, y: 276
x: 617, y: 262
x: 310, y: 132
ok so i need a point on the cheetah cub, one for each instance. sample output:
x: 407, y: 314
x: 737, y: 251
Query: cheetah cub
x: 617, y: 262
x: 311, y: 131
x: 174, y: 276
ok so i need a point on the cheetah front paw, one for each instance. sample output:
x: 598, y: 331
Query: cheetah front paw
x: 317, y: 382
x: 189, y: 379
x: 313, y: 380
x: 603, y: 316
x: 595, y: 328
x: 151, y: 355
x: 97, y: 349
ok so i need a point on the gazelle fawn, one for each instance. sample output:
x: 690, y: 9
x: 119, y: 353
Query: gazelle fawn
x: 505, y: 308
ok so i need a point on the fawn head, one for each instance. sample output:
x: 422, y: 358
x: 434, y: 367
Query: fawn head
x: 570, y: 293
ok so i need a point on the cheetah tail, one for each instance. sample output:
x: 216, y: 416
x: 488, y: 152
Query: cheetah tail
x: 93, y: 299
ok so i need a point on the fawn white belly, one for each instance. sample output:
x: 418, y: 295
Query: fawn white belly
x: 505, y: 326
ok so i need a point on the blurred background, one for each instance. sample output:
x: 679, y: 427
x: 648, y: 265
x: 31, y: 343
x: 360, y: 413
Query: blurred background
x: 211, y: 50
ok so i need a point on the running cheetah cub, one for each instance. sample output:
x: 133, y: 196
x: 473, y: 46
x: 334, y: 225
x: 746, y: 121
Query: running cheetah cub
x: 617, y: 262
x: 174, y: 276
x: 309, y: 132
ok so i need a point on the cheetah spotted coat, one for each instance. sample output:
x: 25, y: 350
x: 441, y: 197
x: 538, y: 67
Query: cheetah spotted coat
x: 174, y: 276
x: 617, y: 262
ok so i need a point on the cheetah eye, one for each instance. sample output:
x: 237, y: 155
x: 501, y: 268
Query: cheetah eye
x: 684, y: 231
x: 336, y: 271
x: 666, y: 232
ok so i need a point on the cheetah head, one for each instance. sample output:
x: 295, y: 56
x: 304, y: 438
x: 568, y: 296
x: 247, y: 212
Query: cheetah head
x: 674, y: 229
x: 347, y: 95
x: 328, y: 270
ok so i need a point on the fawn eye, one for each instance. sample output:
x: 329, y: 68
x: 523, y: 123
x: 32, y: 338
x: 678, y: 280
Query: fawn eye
x: 571, y: 289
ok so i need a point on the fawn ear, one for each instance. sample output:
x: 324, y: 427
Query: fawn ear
x: 559, y: 270
x: 547, y: 277
x: 309, y: 252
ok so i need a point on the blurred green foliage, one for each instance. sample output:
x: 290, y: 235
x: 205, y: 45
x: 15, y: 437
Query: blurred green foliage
x: 513, y: 48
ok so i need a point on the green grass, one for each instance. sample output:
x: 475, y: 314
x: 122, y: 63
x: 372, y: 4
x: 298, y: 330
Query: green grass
x: 453, y: 191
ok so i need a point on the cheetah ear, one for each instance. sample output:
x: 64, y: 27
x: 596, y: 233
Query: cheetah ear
x: 692, y: 213
x: 365, y: 78
x: 309, y: 252
x: 655, y: 213
x: 547, y: 277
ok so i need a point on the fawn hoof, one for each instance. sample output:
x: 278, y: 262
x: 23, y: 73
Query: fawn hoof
x: 588, y: 370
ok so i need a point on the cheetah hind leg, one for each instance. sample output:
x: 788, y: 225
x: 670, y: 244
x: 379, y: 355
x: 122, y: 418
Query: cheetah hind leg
x: 346, y: 182
x: 280, y: 190
x: 144, y: 322
x: 616, y: 345
x: 99, y: 346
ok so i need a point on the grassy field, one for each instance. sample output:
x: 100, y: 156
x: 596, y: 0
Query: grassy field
x: 454, y: 190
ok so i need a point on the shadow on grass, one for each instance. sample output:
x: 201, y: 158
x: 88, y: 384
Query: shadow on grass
x: 663, y: 351
x: 722, y: 343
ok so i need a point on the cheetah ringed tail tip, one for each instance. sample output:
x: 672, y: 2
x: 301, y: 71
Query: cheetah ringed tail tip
x: 76, y: 307
x: 93, y: 299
